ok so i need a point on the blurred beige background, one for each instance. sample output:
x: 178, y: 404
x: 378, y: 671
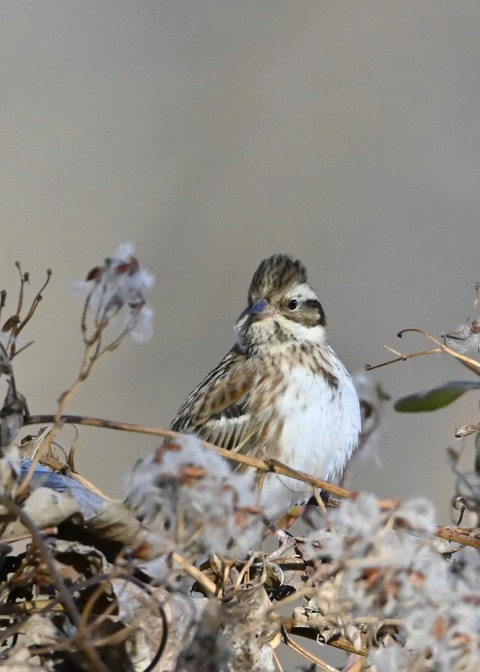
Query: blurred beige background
x: 213, y: 133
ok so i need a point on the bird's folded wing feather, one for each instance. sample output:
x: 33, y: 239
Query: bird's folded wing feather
x: 218, y: 410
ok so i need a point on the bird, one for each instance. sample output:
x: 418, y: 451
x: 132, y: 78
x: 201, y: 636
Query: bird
x: 281, y: 392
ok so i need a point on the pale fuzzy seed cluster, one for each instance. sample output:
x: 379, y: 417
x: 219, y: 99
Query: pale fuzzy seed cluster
x: 117, y: 290
x: 189, y: 497
x: 466, y: 340
x: 418, y: 607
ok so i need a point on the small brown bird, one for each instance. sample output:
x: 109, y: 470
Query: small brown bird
x: 281, y: 392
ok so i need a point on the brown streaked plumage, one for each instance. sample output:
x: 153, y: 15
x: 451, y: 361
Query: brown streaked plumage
x: 281, y: 392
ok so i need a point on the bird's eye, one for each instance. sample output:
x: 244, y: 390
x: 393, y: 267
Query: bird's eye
x: 293, y: 304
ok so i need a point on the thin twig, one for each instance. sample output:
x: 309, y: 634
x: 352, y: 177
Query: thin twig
x: 268, y: 466
x: 195, y: 573
x: 461, y: 535
x: 469, y: 537
x: 312, y: 633
x: 472, y: 364
x: 36, y: 300
x: 22, y: 488
x: 291, y: 643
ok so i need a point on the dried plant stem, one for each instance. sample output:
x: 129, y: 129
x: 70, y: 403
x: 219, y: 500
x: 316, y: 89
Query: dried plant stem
x: 465, y: 536
x: 277, y: 662
x: 461, y: 535
x: 312, y: 633
x: 17, y: 323
x: 42, y: 441
x: 261, y: 465
x: 94, y: 350
x: 196, y: 574
x: 87, y: 365
x: 91, y: 356
x: 291, y: 643
x: 36, y: 300
x: 470, y: 363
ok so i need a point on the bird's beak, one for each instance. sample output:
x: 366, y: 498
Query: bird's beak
x: 261, y: 310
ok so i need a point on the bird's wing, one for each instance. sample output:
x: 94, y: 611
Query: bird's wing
x: 218, y: 410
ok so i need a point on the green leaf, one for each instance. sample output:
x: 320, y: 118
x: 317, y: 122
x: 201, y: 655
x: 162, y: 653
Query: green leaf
x: 438, y: 397
x: 477, y: 453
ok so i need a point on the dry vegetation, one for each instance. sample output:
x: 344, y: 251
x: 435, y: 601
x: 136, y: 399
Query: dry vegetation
x: 176, y: 578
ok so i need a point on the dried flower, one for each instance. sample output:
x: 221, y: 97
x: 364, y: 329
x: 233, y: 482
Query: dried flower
x: 189, y: 495
x: 389, y: 569
x: 118, y: 287
x: 466, y: 339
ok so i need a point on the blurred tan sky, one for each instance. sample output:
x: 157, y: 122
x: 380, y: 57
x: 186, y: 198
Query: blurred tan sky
x: 214, y: 133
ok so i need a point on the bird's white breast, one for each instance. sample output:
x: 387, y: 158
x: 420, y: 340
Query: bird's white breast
x: 320, y: 430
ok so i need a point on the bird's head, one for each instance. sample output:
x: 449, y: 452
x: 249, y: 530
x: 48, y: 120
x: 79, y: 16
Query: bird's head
x: 282, y: 307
